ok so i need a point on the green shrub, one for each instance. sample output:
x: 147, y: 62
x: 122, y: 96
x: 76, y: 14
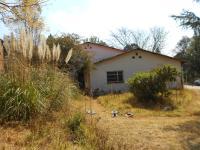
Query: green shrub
x: 75, y: 125
x: 150, y: 85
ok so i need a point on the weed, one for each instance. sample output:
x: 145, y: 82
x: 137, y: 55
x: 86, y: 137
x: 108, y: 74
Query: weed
x: 75, y: 125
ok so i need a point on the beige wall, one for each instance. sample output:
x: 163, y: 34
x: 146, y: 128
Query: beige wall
x: 99, y: 52
x: 129, y: 66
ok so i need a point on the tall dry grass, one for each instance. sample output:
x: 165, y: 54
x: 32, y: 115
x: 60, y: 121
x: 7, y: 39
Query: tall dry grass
x: 33, y: 89
x: 31, y: 83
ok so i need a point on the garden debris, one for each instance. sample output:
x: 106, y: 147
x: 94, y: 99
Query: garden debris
x: 167, y: 108
x: 129, y: 114
x: 91, y: 112
x: 114, y: 113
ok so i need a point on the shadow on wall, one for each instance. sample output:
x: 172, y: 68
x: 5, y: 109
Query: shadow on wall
x: 189, y: 133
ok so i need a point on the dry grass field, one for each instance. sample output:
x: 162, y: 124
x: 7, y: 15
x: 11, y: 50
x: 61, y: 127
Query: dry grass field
x: 149, y: 128
x: 152, y: 128
x: 181, y: 103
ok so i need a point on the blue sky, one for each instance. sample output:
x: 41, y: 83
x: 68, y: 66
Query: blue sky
x: 100, y: 17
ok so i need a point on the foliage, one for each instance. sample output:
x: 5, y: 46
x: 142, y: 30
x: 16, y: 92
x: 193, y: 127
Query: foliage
x: 19, y: 101
x: 75, y: 124
x: 80, y: 59
x: 95, y: 39
x: 131, y: 47
x: 56, y: 87
x: 188, y: 50
x: 24, y: 14
x: 44, y: 90
x: 31, y: 83
x: 148, y: 85
x: 182, y: 47
x: 188, y: 19
x: 193, y: 57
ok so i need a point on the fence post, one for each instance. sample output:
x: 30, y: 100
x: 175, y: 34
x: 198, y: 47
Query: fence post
x: 1, y: 59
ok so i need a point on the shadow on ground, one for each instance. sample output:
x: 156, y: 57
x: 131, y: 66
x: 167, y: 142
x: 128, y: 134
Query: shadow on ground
x: 189, y: 133
x: 158, y: 104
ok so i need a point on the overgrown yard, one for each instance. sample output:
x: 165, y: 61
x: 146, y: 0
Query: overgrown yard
x: 180, y: 103
x: 149, y: 128
x: 152, y: 128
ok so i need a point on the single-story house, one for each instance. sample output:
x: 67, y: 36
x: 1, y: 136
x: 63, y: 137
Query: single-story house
x: 113, y: 67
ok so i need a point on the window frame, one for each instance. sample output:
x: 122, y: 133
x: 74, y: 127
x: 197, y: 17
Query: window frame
x: 116, y: 74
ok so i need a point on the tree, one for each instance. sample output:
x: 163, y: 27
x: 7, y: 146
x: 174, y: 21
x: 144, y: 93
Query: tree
x: 158, y: 38
x: 131, y: 47
x: 124, y: 37
x: 193, y: 56
x: 188, y: 19
x: 24, y: 14
x: 80, y: 59
x: 95, y: 39
x: 153, y: 40
x: 182, y: 47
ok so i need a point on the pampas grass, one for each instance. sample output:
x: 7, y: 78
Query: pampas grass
x: 32, y: 84
x: 23, y: 46
x: 69, y: 56
x: 56, y: 51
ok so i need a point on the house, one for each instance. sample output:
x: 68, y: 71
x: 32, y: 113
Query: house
x: 113, y: 67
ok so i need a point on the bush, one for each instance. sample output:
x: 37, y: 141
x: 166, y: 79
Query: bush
x: 55, y: 86
x: 150, y: 85
x: 31, y: 82
x: 41, y: 91
x: 19, y: 101
x: 75, y: 125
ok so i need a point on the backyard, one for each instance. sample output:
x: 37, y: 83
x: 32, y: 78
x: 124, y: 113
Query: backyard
x: 149, y: 128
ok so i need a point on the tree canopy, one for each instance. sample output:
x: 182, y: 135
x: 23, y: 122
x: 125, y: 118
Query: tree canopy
x: 95, y: 39
x: 80, y: 59
x: 189, y: 48
x: 25, y: 14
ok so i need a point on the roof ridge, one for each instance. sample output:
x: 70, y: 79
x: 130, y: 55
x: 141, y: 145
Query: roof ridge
x: 121, y: 50
x: 129, y: 51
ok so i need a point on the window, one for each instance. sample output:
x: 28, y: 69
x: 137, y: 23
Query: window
x: 115, y: 77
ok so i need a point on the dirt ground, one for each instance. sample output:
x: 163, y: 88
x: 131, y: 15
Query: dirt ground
x: 166, y: 133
